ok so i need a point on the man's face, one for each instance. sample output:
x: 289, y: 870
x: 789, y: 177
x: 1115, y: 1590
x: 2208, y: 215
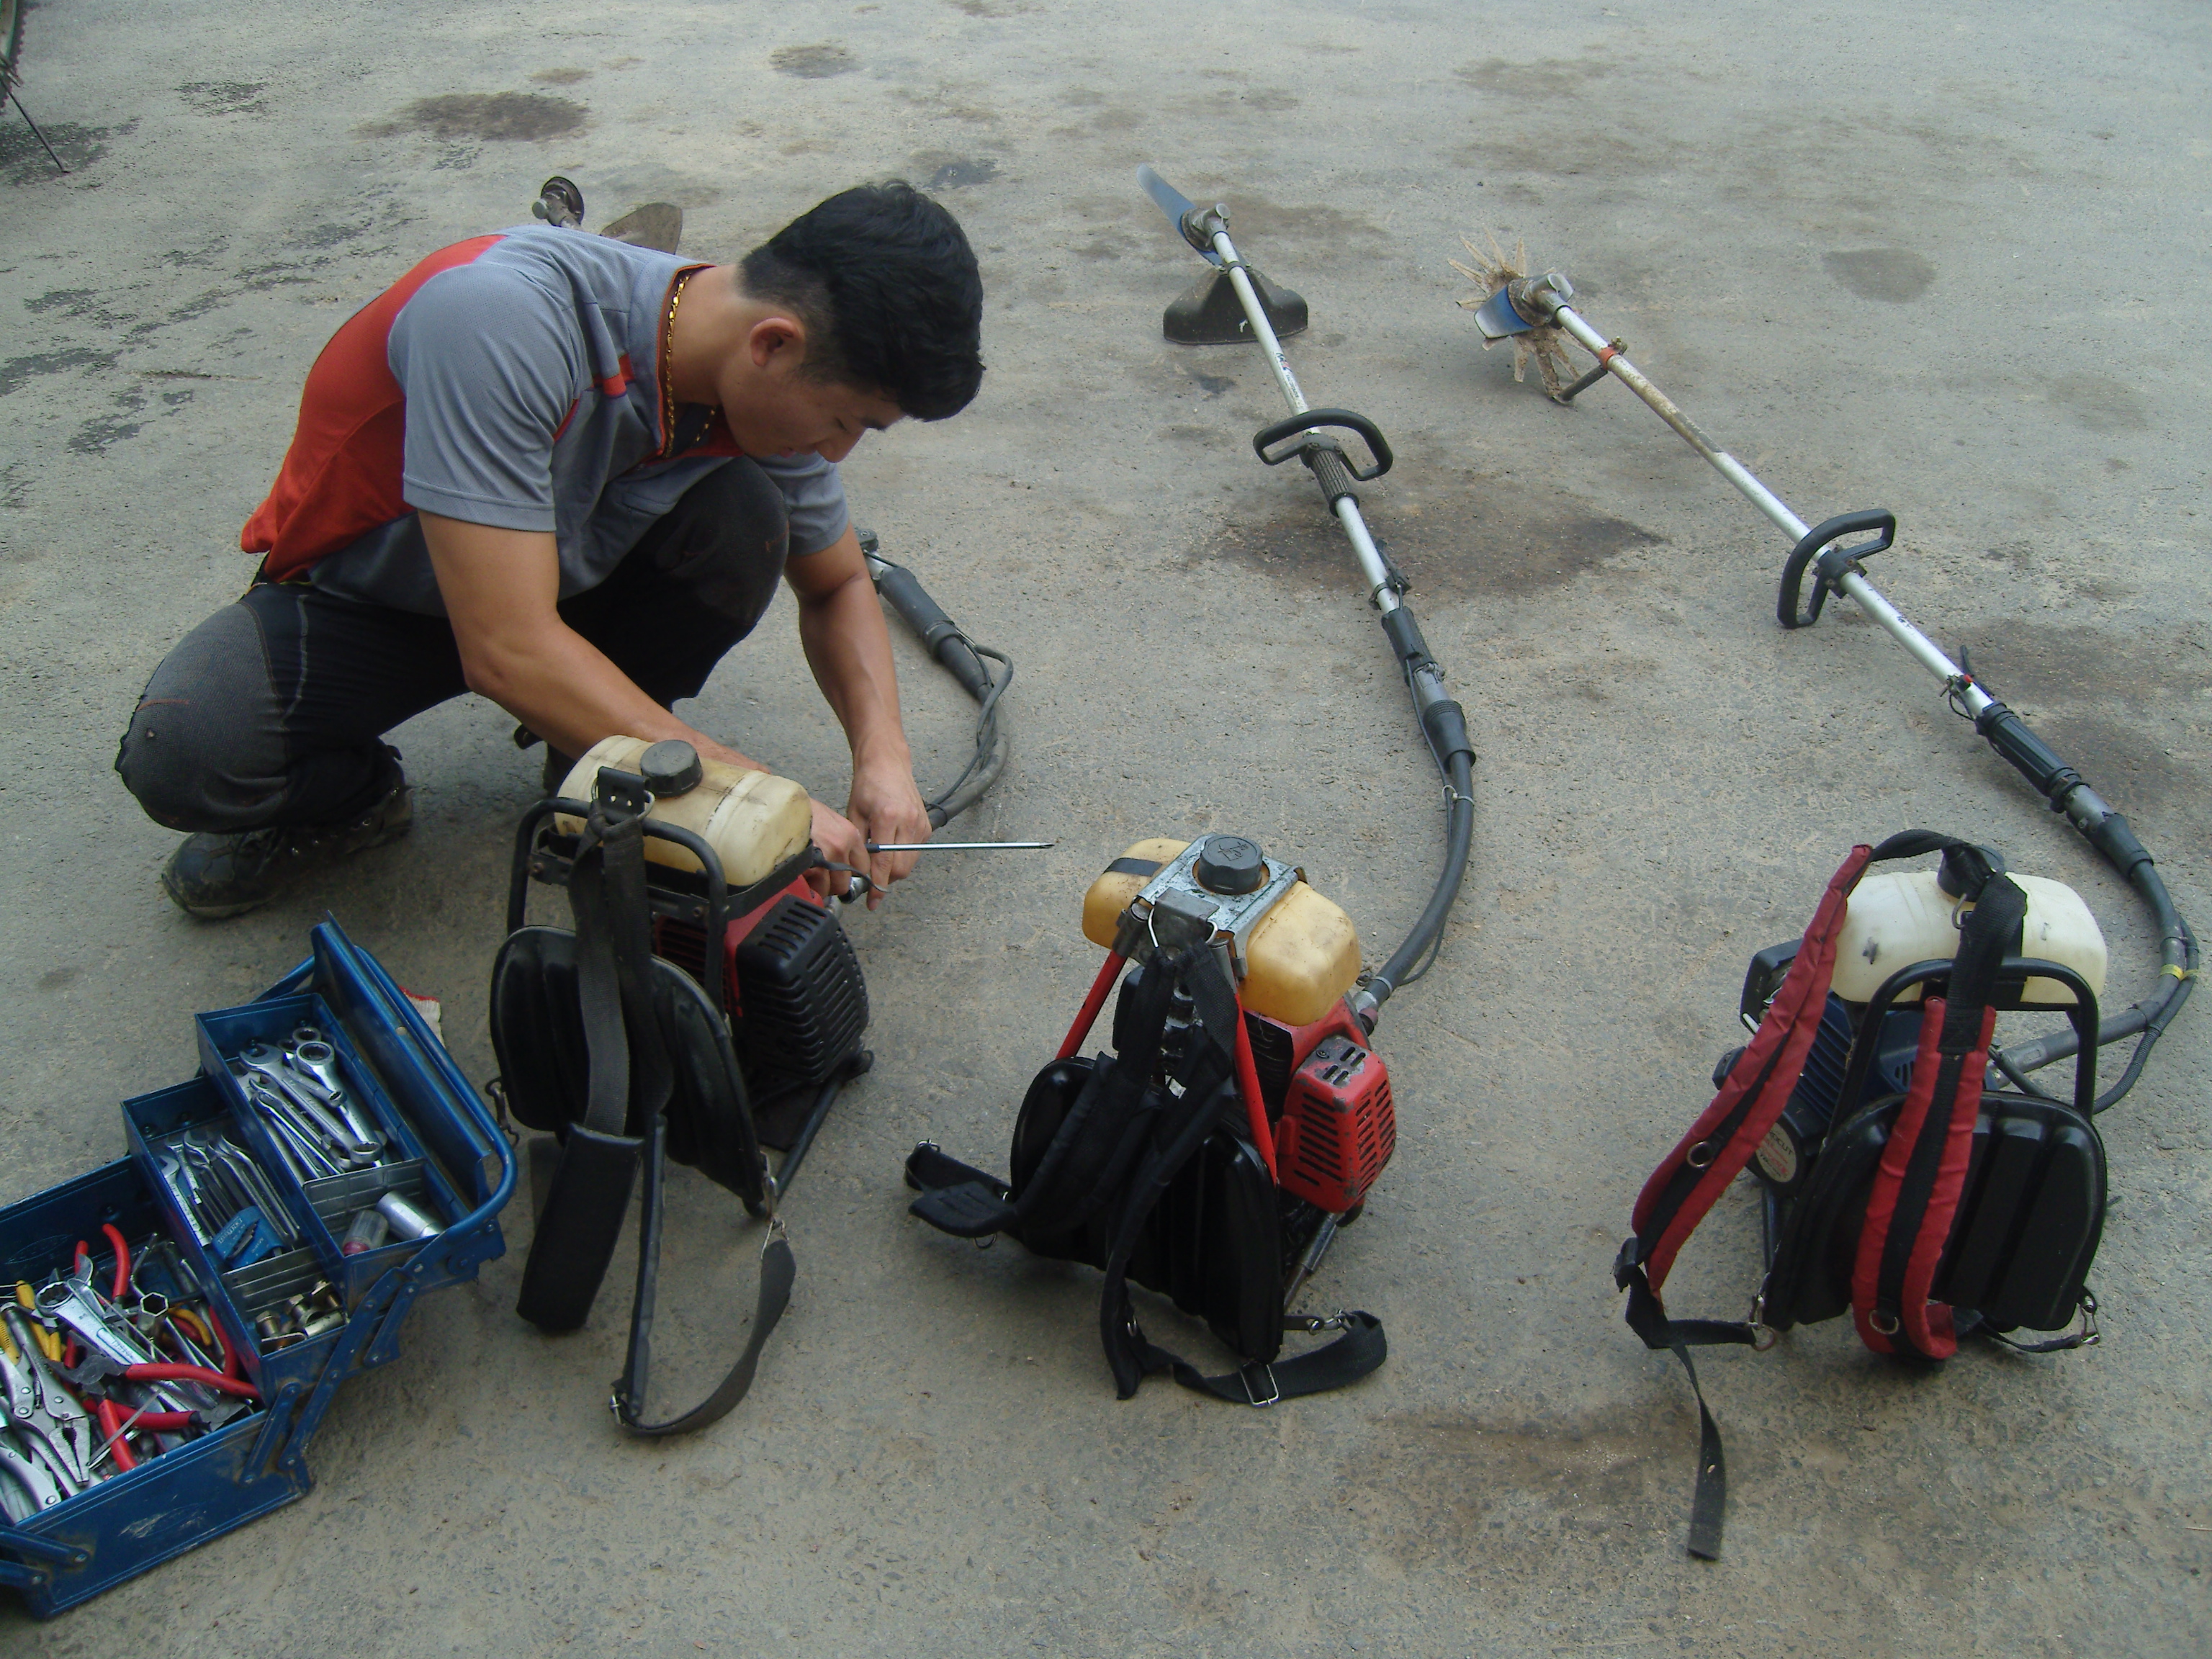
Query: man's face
x: 786, y: 412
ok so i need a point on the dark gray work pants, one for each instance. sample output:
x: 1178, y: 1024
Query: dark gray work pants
x: 272, y: 711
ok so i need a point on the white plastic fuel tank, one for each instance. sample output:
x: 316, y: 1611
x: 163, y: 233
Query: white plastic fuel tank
x: 754, y: 821
x: 1899, y: 917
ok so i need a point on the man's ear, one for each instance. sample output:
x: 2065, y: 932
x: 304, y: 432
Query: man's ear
x: 777, y: 339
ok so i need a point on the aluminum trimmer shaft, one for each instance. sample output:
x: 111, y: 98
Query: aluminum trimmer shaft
x: 1534, y: 300
x: 1307, y: 436
x: 1527, y: 302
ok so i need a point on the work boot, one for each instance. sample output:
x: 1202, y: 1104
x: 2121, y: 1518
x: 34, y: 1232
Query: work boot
x: 212, y: 876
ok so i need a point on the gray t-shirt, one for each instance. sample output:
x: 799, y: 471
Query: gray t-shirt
x: 513, y: 380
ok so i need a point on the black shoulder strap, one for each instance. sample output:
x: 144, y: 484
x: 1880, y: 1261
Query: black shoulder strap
x: 1359, y: 1351
x: 620, y: 1004
x: 779, y: 1270
x: 582, y: 1217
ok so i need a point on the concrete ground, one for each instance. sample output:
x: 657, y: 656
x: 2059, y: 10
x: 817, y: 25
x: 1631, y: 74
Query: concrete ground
x: 1946, y: 260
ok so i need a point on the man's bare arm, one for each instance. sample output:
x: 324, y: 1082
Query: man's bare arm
x: 502, y: 588
x: 841, y: 625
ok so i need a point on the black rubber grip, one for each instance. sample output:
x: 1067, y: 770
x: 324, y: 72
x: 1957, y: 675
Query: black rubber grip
x: 2027, y: 754
x: 1879, y: 520
x: 1331, y: 473
x: 940, y: 635
x: 2117, y: 842
x: 1404, y: 635
x: 1445, y: 723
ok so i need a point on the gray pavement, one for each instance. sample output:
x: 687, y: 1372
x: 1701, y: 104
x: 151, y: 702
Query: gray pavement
x: 1946, y: 259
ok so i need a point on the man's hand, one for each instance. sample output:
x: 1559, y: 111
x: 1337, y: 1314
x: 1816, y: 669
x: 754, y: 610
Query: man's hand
x: 840, y: 626
x: 886, y: 806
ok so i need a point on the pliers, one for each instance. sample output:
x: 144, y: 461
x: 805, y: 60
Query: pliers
x: 46, y: 1416
x: 38, y: 1484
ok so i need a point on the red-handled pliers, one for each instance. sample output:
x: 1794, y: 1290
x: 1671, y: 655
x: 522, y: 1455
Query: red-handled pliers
x: 236, y: 1386
x: 105, y: 1413
x: 99, y: 1369
x: 122, y: 1260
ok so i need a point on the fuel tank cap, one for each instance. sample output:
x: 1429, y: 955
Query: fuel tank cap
x: 670, y: 766
x: 1231, y: 863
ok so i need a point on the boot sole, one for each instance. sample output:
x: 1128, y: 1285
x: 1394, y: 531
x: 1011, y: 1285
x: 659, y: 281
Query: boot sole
x: 206, y: 912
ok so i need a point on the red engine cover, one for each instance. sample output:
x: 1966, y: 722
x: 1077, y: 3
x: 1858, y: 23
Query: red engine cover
x: 685, y: 945
x: 1338, y: 1128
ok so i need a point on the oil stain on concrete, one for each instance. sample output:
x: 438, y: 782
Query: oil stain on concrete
x: 815, y: 63
x: 224, y: 97
x: 1457, y: 535
x: 17, y: 372
x: 2098, y: 402
x: 1546, y: 78
x: 957, y: 172
x: 493, y: 117
x: 2048, y: 662
x: 1305, y: 235
x: 1894, y: 274
x: 1441, y: 1492
x: 24, y: 160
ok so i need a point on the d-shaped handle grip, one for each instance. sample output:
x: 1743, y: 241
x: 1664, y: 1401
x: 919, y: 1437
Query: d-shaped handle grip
x: 1265, y: 440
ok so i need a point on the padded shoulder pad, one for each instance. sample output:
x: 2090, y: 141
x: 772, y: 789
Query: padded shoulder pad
x: 537, y: 1033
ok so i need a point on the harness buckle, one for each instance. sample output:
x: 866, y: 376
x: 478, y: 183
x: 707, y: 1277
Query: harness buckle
x: 1763, y: 1335
x: 1266, y: 1375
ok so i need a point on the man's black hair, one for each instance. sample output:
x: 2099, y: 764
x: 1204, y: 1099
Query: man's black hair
x: 885, y: 282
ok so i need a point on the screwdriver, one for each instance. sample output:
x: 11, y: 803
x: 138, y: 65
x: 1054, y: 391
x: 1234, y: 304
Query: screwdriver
x: 957, y: 846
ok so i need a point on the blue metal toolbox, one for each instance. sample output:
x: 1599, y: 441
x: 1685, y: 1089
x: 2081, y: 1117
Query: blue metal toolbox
x: 421, y: 1134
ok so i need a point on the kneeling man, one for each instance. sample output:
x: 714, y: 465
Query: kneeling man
x: 563, y: 472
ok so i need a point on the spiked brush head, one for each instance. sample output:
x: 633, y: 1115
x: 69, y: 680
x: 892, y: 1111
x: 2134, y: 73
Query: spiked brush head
x: 1491, y: 269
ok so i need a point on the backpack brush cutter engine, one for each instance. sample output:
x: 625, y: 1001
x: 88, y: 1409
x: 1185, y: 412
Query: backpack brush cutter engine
x: 706, y: 1004
x: 1244, y: 1114
x: 1904, y: 1182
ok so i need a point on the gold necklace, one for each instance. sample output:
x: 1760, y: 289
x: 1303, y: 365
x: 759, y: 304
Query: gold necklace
x: 668, y: 363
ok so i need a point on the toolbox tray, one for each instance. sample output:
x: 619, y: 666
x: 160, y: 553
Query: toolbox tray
x: 149, y: 1119
x: 122, y: 1525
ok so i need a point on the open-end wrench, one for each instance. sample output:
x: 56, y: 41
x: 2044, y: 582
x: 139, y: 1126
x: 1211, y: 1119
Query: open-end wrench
x: 267, y: 1062
x: 78, y: 1306
x: 179, y: 1176
x: 320, y: 1060
x: 300, y: 1148
x: 266, y: 1197
x: 279, y: 1107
